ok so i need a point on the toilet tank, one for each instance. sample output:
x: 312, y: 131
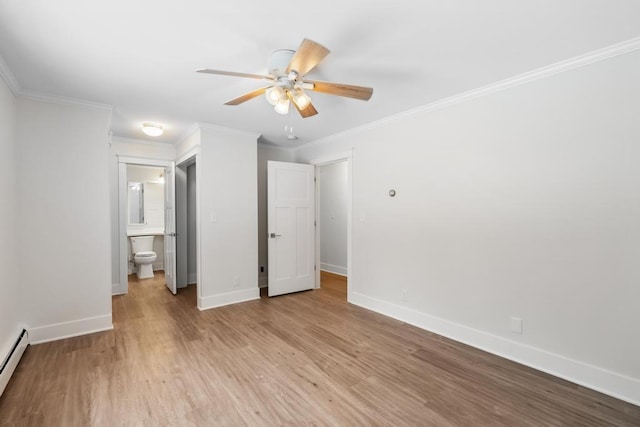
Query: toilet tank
x: 141, y: 244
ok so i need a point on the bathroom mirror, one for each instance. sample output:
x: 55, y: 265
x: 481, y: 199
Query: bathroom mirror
x: 136, y: 202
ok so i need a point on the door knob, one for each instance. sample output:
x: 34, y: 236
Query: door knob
x: 274, y: 235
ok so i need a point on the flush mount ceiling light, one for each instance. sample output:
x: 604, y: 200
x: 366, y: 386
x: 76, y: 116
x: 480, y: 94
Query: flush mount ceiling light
x: 152, y: 129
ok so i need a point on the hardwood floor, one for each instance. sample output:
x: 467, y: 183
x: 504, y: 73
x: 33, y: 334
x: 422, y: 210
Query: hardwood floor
x: 303, y: 359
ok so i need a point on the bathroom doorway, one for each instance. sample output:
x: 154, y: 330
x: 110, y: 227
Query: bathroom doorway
x: 142, y: 211
x: 145, y: 220
x: 184, y: 235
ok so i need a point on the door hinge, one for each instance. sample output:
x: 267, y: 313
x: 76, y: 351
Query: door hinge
x: 314, y: 179
x: 314, y: 267
x: 314, y: 223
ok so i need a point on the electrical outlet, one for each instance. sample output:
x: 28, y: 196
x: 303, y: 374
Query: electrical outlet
x: 236, y: 281
x: 405, y: 296
x: 516, y: 325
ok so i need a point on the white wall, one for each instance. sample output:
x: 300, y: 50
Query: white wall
x: 10, y: 307
x: 520, y: 203
x: 266, y: 153
x: 228, y: 218
x: 63, y: 188
x: 333, y: 195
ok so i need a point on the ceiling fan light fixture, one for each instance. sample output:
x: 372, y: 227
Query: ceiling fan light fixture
x: 274, y: 94
x: 152, y: 129
x: 282, y: 107
x: 301, y: 99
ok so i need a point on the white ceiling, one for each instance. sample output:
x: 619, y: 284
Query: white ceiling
x: 140, y: 55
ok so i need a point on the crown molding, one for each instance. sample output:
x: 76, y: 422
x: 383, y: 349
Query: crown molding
x: 187, y: 134
x: 227, y: 130
x: 9, y: 78
x: 63, y: 100
x: 125, y: 140
x: 592, y: 57
x: 276, y: 147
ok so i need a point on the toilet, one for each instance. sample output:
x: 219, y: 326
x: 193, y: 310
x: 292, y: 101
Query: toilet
x: 143, y: 255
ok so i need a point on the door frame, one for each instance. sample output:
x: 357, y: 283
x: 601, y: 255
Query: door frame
x: 323, y: 161
x: 123, y: 257
x: 194, y: 153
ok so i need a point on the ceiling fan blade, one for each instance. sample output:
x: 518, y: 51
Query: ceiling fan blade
x: 247, y: 96
x: 308, y: 55
x: 234, y: 74
x: 350, y: 91
x: 308, y: 111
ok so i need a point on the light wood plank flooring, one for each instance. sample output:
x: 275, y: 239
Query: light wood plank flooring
x: 303, y: 359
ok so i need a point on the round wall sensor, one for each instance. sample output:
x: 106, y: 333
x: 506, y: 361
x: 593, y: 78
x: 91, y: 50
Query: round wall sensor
x: 392, y: 193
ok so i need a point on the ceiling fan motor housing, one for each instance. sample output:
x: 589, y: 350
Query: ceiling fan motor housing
x: 279, y: 61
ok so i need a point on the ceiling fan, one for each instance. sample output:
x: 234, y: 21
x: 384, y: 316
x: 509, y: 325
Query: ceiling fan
x: 287, y: 86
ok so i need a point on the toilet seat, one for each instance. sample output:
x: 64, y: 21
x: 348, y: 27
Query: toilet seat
x: 145, y: 254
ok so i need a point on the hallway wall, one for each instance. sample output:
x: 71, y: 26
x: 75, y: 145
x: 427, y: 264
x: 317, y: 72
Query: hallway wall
x: 11, y: 315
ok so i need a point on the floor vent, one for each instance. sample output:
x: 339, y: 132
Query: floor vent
x: 11, y: 361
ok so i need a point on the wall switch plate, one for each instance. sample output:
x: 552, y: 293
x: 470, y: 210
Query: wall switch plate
x: 236, y: 281
x: 516, y: 325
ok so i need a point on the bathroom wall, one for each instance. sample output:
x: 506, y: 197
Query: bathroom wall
x: 332, y: 186
x: 521, y: 203
x: 11, y: 308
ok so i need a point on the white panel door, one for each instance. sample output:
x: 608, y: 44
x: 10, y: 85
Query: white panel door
x: 291, y: 216
x: 170, y: 228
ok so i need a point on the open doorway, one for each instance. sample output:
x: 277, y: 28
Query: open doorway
x: 176, y: 242
x: 333, y: 201
x: 145, y: 225
x: 186, y: 228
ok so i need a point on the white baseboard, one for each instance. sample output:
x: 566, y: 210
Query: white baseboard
x: 263, y: 281
x: 335, y: 269
x: 74, y: 328
x: 593, y: 377
x: 116, y: 289
x: 213, y: 301
x: 192, y: 279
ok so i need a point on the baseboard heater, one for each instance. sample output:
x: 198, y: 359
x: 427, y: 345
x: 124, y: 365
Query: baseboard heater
x: 11, y: 361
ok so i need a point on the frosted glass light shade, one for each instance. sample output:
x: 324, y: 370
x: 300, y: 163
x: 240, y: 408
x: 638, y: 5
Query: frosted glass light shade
x: 274, y: 94
x: 282, y: 107
x: 152, y: 129
x: 301, y: 99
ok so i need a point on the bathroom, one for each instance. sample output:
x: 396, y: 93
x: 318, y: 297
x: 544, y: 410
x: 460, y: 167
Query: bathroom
x: 145, y: 219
